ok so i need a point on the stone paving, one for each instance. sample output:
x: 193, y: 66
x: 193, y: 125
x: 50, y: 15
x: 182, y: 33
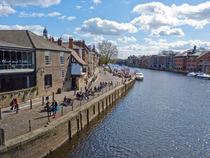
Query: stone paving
x: 16, y: 124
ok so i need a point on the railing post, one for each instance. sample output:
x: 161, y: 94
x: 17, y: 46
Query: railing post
x: 62, y: 110
x: 29, y: 125
x: 0, y: 113
x: 2, y: 137
x: 42, y: 100
x: 30, y: 103
x: 17, y: 108
x: 48, y: 115
x: 53, y: 96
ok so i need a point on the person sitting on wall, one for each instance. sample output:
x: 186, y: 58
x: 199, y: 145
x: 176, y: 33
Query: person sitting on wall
x: 15, y: 103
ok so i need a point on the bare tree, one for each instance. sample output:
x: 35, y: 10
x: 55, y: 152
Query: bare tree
x: 107, y: 50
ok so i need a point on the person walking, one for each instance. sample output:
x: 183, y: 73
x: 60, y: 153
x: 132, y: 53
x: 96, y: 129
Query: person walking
x: 54, y: 107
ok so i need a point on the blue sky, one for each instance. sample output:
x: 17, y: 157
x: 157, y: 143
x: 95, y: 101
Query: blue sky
x: 139, y: 27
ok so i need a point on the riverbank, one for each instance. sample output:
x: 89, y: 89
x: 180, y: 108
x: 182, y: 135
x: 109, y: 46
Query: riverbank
x: 39, y: 142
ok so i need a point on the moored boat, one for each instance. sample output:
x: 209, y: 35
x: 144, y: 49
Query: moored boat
x: 192, y: 74
x: 139, y: 76
x: 203, y: 76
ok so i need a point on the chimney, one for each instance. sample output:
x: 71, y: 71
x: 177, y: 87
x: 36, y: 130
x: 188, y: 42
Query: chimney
x: 60, y: 42
x: 83, y: 43
x: 71, y: 43
x: 79, y: 43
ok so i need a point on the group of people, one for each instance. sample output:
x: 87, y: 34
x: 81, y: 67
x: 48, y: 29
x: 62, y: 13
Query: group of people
x: 52, y: 107
x: 67, y: 101
x: 14, y: 104
x: 102, y: 85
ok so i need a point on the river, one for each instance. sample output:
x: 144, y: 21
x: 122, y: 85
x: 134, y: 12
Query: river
x: 165, y: 116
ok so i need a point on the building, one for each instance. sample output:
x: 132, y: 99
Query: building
x: 88, y: 55
x: 204, y: 62
x: 180, y: 61
x: 17, y: 67
x: 49, y: 63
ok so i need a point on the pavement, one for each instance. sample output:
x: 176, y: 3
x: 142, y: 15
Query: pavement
x: 15, y: 124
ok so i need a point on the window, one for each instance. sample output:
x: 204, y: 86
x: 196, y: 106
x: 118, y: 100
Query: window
x: 62, y: 57
x: 48, y: 80
x: 62, y: 73
x: 47, y: 58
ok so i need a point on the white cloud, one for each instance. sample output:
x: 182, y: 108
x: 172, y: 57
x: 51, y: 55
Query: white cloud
x: 5, y: 10
x: 54, y: 14
x: 96, y: 1
x: 62, y: 17
x: 78, y: 7
x: 91, y: 8
x: 94, y: 37
x: 106, y: 27
x: 126, y: 39
x: 156, y: 15
x: 43, y: 3
x: 154, y: 47
x: 71, y: 18
x: 167, y: 31
x: 34, y: 28
x: 24, y: 14
x: 65, y: 37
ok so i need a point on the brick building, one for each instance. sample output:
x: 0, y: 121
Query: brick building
x: 180, y: 61
x: 51, y: 62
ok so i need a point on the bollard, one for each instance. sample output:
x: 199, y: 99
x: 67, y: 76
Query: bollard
x: 17, y: 108
x: 29, y: 125
x: 53, y: 96
x: 30, y: 103
x: 72, y: 105
x: 69, y: 129
x: 0, y: 113
x: 2, y: 137
x: 42, y: 100
x: 62, y: 110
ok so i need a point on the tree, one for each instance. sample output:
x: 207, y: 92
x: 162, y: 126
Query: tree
x: 107, y: 50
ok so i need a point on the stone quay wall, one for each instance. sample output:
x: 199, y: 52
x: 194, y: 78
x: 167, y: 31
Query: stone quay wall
x: 40, y: 142
x: 21, y: 95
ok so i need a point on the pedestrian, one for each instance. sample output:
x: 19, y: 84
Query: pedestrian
x: 54, y: 107
x: 48, y: 107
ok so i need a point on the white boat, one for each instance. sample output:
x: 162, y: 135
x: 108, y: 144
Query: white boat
x: 139, y: 76
x: 203, y: 76
x: 192, y: 74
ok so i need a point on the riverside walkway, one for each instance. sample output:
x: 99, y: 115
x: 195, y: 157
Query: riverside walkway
x: 15, y: 124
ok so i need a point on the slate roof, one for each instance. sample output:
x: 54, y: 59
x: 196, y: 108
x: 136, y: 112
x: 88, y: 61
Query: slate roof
x: 77, y: 58
x: 7, y: 44
x: 28, y: 39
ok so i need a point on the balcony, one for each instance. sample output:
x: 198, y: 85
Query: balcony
x: 16, y: 62
x: 18, y: 68
x: 76, y: 69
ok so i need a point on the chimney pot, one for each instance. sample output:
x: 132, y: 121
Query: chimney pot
x: 71, y: 41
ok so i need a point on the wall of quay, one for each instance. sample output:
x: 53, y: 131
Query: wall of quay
x: 42, y: 141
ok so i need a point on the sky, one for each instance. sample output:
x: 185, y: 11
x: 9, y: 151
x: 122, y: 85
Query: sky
x: 136, y: 27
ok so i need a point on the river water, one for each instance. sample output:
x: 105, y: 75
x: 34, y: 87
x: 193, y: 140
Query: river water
x: 166, y: 115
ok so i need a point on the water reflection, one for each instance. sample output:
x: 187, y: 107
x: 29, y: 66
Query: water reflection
x: 166, y: 115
